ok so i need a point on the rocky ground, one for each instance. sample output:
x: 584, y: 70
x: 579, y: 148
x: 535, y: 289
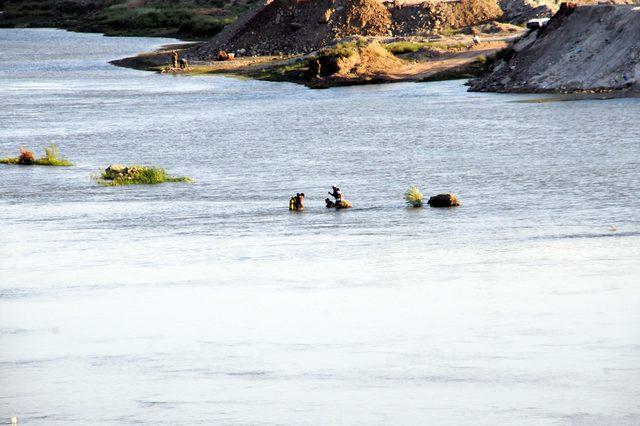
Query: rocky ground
x: 291, y: 27
x: 585, y: 49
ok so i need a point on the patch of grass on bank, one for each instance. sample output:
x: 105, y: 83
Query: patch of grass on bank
x: 137, y: 175
x: 340, y: 50
x: 120, y: 16
x: 288, y: 72
x: 204, y: 26
x: 26, y: 158
x: 401, y: 47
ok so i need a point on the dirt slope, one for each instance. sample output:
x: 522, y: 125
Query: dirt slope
x: 433, y: 16
x: 300, y: 26
x: 590, y: 48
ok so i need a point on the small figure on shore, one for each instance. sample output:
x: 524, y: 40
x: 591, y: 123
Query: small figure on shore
x: 184, y: 64
x: 476, y: 40
x: 315, y: 69
x: 174, y: 58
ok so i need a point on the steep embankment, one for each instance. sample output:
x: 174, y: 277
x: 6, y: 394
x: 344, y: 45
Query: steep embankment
x: 588, y: 48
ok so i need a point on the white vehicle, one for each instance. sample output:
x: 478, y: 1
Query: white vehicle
x: 536, y: 24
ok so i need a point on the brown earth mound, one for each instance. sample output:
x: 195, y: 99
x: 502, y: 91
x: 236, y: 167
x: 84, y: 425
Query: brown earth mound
x: 588, y: 48
x: 434, y: 16
x: 302, y: 26
x: 351, y: 62
x: 298, y: 26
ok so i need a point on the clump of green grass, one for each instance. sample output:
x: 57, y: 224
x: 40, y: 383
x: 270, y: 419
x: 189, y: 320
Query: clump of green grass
x: 51, y: 158
x: 400, y: 47
x: 136, y: 175
x: 413, y: 196
x: 342, y: 50
x: 26, y: 158
x: 446, y: 46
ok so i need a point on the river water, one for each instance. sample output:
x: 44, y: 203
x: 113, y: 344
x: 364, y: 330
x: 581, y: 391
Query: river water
x: 210, y: 303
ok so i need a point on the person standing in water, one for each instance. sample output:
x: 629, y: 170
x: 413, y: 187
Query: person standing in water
x: 336, y: 193
x: 174, y: 59
x: 297, y: 202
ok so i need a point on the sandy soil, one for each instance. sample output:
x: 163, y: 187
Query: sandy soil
x: 413, y: 67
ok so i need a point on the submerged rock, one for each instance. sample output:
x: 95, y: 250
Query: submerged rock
x: 444, y: 200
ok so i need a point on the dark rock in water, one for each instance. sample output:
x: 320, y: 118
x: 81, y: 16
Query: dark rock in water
x: 443, y: 200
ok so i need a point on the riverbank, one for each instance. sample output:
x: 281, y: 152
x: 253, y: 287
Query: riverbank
x: 188, y: 20
x: 353, y: 61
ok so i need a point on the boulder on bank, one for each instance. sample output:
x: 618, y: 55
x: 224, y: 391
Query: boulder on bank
x: 444, y: 200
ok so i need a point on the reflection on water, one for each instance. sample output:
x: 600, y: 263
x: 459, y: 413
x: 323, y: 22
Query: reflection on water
x: 211, y: 303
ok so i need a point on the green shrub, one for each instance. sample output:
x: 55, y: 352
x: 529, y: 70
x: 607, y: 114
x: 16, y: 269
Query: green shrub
x: 26, y: 158
x: 51, y: 158
x: 137, y: 175
x: 204, y: 26
x: 120, y: 16
x: 413, y: 196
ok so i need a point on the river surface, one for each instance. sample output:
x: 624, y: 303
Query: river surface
x: 211, y: 303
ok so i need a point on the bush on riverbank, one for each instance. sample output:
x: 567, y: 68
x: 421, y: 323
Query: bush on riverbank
x: 117, y: 175
x: 27, y: 158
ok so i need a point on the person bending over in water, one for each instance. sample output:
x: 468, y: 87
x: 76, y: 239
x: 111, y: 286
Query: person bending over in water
x: 330, y: 204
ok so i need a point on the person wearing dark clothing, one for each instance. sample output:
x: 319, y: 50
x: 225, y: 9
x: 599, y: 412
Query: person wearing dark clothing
x: 336, y: 193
